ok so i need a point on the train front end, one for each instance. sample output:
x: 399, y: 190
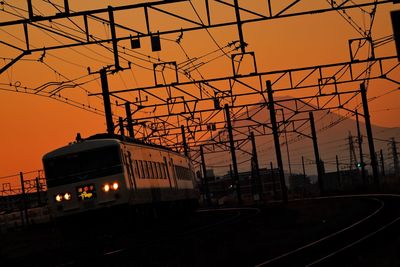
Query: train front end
x: 85, y: 176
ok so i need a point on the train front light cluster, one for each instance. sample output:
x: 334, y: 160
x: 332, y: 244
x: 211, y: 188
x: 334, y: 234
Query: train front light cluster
x: 112, y: 186
x: 62, y: 197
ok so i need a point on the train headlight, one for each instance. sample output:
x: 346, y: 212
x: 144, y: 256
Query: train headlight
x: 115, y: 186
x: 106, y: 188
x: 67, y: 196
x: 59, y: 198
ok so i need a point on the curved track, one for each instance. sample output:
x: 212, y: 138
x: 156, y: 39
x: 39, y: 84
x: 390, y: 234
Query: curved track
x: 336, y: 248
x: 334, y: 231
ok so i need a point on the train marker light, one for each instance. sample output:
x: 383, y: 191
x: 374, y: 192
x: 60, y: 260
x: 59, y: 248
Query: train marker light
x: 106, y: 188
x: 115, y: 186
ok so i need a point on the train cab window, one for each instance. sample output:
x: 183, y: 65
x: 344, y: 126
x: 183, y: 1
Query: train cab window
x: 89, y: 164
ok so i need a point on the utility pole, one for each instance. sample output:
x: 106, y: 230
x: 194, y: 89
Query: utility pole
x: 359, y: 139
x: 129, y: 119
x: 271, y: 107
x: 316, y: 154
x: 273, y: 179
x: 121, y: 126
x: 338, y: 172
x: 106, y: 100
x: 395, y: 156
x: 256, y: 167
x: 304, y: 176
x: 382, y: 164
x: 287, y: 145
x: 353, y: 158
x: 233, y: 153
x: 25, y: 206
x: 185, y: 146
x: 239, y: 24
x: 38, y: 189
x: 114, y: 38
x: 205, y: 179
x: 369, y: 135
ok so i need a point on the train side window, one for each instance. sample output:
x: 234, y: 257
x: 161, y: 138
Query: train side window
x: 155, y: 170
x: 137, y: 172
x: 164, y: 174
x: 160, y: 175
x: 143, y: 174
x: 151, y: 171
x: 146, y: 170
x: 177, y: 172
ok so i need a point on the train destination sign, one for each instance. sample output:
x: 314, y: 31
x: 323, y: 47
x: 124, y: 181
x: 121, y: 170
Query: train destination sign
x: 86, y: 192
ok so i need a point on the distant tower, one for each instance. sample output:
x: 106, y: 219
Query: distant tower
x: 353, y: 158
x: 394, y: 156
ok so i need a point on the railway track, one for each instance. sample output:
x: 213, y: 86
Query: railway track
x: 331, y: 231
x: 341, y: 247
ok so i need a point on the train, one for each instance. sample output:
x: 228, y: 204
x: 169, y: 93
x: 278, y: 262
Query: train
x: 105, y: 171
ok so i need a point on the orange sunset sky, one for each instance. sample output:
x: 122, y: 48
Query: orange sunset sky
x: 32, y: 125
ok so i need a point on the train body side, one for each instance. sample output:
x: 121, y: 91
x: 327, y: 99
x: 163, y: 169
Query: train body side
x: 133, y: 174
x: 157, y: 175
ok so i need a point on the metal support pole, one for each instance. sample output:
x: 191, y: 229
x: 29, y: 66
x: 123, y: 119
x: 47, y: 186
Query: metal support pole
x: 271, y: 108
x: 208, y: 12
x: 239, y: 24
x: 106, y: 100
x: 129, y: 119
x: 316, y: 153
x: 233, y: 153
x: 38, y: 189
x: 359, y: 137
x: 26, y: 34
x: 338, y: 172
x: 25, y: 206
x: 369, y: 135
x: 185, y: 146
x: 304, y: 176
x: 273, y: 179
x: 259, y: 189
x: 382, y: 164
x: 395, y: 157
x: 30, y: 9
x: 114, y: 37
x: 66, y: 6
x: 121, y: 126
x: 205, y: 180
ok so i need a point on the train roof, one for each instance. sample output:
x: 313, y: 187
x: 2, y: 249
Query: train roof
x: 97, y: 141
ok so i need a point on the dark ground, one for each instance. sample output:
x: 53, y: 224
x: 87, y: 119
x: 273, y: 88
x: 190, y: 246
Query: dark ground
x: 210, y: 238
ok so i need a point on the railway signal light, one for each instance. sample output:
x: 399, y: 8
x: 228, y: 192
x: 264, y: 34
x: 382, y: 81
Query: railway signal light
x: 155, y: 43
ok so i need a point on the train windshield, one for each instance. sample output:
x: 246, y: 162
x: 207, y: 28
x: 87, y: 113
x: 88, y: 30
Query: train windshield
x: 82, y: 166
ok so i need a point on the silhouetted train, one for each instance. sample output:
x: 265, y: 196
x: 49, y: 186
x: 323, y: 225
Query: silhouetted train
x: 103, y: 171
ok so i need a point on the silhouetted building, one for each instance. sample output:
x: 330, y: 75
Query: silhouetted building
x: 299, y: 184
x: 225, y: 185
x: 343, y: 181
